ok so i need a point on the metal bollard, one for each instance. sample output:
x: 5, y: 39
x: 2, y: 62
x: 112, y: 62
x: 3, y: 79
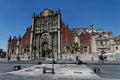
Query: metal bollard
x: 53, y: 71
x: 96, y: 70
x: 44, y: 70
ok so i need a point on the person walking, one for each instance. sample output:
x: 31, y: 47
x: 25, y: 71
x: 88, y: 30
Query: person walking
x: 8, y: 58
x: 101, y: 58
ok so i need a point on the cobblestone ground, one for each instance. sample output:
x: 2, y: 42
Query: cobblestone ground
x: 14, y: 77
x: 62, y: 72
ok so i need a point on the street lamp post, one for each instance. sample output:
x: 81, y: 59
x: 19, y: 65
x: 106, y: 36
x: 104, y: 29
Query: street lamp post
x: 40, y: 51
x: 52, y: 54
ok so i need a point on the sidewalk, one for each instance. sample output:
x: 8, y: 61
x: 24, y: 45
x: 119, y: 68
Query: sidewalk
x: 105, y: 62
x: 62, y: 71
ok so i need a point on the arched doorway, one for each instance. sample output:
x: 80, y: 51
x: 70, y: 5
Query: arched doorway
x: 45, y: 49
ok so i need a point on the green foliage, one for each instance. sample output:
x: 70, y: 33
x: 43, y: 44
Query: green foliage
x: 76, y: 47
x: 73, y: 47
x: 27, y: 48
x: 3, y: 54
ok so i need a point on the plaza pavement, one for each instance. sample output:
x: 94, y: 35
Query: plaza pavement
x: 62, y: 72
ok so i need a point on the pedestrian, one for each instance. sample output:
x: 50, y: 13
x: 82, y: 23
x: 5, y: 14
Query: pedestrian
x: 8, y: 58
x: 92, y: 58
x: 80, y: 62
x: 70, y: 59
x: 28, y: 57
x: 18, y: 58
x: 101, y: 58
x: 76, y: 59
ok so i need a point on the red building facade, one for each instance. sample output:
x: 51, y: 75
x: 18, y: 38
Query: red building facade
x: 85, y: 41
x: 16, y: 45
x: 67, y: 37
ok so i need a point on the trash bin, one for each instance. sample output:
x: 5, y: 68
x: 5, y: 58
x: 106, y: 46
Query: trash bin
x: 39, y: 63
x: 17, y: 67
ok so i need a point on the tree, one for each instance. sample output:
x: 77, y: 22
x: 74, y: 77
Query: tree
x: 81, y: 49
x: 74, y: 48
x: 3, y: 54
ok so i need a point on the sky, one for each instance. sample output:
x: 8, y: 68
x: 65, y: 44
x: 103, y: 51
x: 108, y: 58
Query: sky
x: 16, y: 15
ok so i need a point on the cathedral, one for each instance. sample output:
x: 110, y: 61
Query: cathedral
x: 48, y: 36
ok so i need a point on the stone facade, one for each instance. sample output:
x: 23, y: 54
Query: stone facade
x: 102, y: 41
x: 116, y: 44
x: 46, y: 32
x: 48, y: 35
